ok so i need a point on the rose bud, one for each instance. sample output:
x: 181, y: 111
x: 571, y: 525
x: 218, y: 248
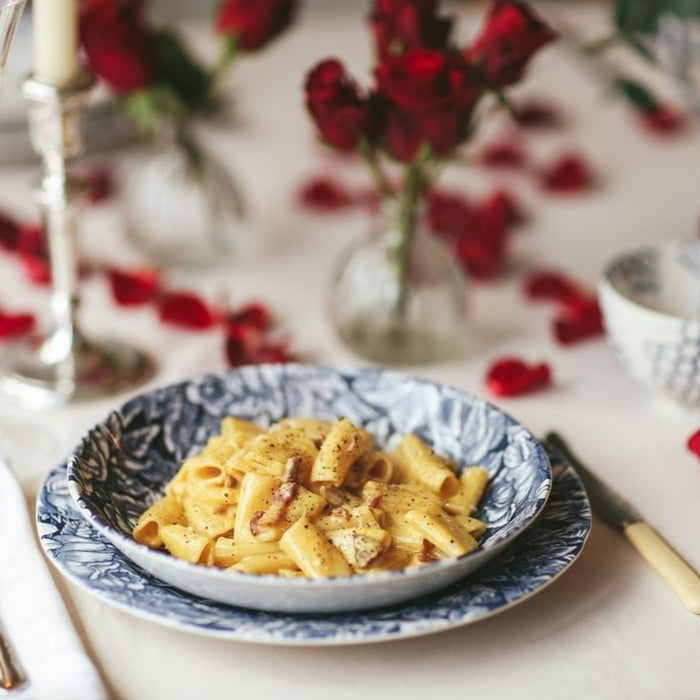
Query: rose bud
x: 118, y: 44
x: 510, y: 38
x: 254, y: 23
x: 400, y: 26
x: 341, y: 113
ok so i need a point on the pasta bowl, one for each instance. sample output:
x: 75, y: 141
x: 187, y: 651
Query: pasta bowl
x: 122, y: 465
x: 650, y: 298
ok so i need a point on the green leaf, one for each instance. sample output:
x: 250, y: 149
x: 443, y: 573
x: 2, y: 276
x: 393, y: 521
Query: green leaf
x: 684, y: 8
x: 633, y: 16
x: 179, y: 71
x: 635, y: 93
x: 642, y: 16
x: 151, y: 107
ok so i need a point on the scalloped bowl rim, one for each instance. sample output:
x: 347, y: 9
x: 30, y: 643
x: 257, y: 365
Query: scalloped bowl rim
x: 137, y: 552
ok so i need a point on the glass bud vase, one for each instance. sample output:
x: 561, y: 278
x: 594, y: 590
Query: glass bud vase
x: 399, y: 296
x: 182, y: 205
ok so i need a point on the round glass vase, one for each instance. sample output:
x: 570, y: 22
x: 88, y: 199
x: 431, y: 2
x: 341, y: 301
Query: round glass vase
x: 182, y: 206
x: 399, y: 297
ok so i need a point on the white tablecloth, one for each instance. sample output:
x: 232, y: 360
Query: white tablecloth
x: 609, y: 628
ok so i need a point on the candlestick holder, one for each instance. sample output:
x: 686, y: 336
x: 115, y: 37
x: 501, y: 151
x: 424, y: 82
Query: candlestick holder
x: 65, y: 366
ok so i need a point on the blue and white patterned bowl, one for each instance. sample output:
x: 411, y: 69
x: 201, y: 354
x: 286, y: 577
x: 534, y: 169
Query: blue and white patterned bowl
x: 122, y: 465
x: 650, y: 300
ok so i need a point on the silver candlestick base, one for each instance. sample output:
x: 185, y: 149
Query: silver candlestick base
x: 66, y: 366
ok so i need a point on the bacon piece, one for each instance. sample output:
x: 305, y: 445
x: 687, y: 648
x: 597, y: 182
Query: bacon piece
x: 292, y: 470
x: 375, y: 500
x: 427, y: 554
x: 255, y: 522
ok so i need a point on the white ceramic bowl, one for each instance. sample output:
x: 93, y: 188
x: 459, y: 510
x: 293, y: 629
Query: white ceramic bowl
x: 650, y: 298
x: 123, y: 463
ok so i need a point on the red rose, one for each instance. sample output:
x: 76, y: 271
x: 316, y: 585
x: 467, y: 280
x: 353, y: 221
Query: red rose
x: 341, y: 113
x: 511, y: 36
x: 428, y: 98
x: 118, y: 43
x: 400, y: 26
x: 254, y: 23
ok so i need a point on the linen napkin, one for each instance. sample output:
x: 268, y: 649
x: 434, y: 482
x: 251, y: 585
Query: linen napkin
x: 32, y: 613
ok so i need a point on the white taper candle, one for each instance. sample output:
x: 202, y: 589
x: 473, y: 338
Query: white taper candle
x: 55, y: 41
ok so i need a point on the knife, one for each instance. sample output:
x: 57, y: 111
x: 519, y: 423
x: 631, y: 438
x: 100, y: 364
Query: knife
x: 613, y: 510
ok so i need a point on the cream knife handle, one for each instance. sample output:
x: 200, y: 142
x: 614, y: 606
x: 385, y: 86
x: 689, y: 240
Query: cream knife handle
x: 668, y: 564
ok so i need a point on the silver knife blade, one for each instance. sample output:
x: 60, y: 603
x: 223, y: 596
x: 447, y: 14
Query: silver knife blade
x: 610, y: 507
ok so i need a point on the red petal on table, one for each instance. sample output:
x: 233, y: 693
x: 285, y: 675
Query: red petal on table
x: 186, y: 310
x: 506, y: 153
x: 249, y: 345
x: 9, y: 232
x: 134, y: 287
x: 256, y: 315
x: 568, y: 174
x: 511, y: 376
x: 578, y: 322
x: 538, y: 114
x: 100, y: 185
x: 511, y: 207
x: 447, y: 213
x: 552, y: 285
x: 37, y: 269
x: 32, y: 241
x: 15, y: 325
x: 325, y: 194
x: 664, y: 120
x: 693, y: 443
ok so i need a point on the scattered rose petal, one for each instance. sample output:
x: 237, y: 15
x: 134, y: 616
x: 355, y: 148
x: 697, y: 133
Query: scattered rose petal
x: 134, y: 287
x: 186, y: 310
x: 505, y: 153
x: 504, y: 200
x: 578, y: 321
x: 37, y: 270
x: 664, y: 120
x: 99, y: 183
x: 538, y: 114
x: 9, y: 232
x: 325, y: 194
x: 511, y: 376
x: 15, y: 325
x: 552, y: 285
x: 32, y: 240
x: 568, y: 174
x: 256, y: 315
x: 693, y: 443
x: 248, y: 345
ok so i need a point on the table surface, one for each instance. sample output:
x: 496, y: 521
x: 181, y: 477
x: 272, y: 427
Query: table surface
x: 608, y: 628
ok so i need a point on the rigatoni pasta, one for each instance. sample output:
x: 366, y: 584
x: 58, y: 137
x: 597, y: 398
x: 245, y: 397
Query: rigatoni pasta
x: 309, y: 497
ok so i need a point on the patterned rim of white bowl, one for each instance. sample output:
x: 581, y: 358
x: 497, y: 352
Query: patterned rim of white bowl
x: 274, y: 385
x: 607, y: 286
